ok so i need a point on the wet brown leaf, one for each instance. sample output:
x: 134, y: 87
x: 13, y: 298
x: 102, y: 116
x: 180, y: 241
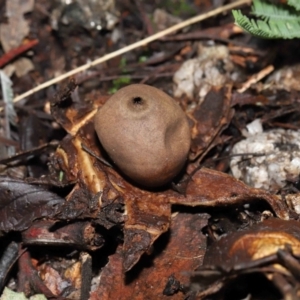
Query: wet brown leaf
x: 147, y: 217
x: 103, y: 194
x: 270, y: 248
x: 209, y: 119
x: 181, y: 250
x: 213, y: 188
x: 255, y: 242
x: 97, y: 186
x: 80, y: 235
x: 147, y: 214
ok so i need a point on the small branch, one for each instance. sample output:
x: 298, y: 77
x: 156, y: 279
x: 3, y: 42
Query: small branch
x: 13, y: 53
x: 255, y: 78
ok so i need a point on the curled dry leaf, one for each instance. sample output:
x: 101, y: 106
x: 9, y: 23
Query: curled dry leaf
x: 253, y: 250
x: 213, y: 188
x: 254, y: 243
x: 80, y: 235
x: 181, y: 250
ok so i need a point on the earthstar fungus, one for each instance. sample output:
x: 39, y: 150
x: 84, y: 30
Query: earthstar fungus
x: 145, y: 133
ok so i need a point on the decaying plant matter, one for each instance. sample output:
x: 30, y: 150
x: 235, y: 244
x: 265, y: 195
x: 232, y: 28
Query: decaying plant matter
x: 268, y: 251
x: 101, y: 197
x: 145, y: 214
x: 133, y: 201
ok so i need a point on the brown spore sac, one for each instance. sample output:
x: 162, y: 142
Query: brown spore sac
x: 145, y: 133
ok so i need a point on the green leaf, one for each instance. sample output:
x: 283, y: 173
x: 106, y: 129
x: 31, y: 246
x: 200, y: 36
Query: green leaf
x: 118, y: 83
x: 272, y: 21
x: 294, y: 3
x: 11, y: 295
x: 269, y: 11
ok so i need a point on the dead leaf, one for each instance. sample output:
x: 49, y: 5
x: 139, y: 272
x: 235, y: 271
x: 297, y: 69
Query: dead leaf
x: 270, y: 248
x: 209, y: 119
x: 101, y: 193
x: 22, y: 203
x: 179, y: 251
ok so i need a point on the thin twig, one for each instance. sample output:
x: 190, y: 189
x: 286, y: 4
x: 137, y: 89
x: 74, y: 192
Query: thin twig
x: 13, y: 53
x: 255, y: 78
x: 90, y: 152
x: 133, y: 46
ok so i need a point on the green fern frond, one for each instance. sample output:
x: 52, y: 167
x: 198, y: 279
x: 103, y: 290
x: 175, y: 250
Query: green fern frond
x: 294, y: 3
x: 268, y: 11
x: 274, y: 21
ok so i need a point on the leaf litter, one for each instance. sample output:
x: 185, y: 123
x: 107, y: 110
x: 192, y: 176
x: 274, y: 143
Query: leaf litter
x: 143, y: 243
